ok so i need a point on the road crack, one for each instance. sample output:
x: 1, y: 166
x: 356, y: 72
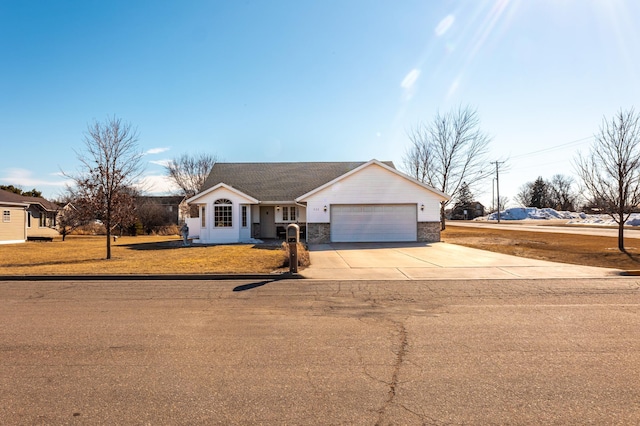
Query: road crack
x: 401, y: 353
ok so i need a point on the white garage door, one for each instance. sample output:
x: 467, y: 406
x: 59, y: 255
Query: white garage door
x: 373, y: 223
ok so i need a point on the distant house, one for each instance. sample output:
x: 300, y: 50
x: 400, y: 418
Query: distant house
x: 466, y: 212
x: 330, y: 201
x: 174, y: 206
x: 37, y: 220
x: 13, y: 227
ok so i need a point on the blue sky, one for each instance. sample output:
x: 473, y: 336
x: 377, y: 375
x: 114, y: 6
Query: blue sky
x: 310, y: 80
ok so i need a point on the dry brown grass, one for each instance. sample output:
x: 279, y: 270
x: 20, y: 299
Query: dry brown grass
x: 555, y: 247
x: 303, y: 255
x: 135, y: 255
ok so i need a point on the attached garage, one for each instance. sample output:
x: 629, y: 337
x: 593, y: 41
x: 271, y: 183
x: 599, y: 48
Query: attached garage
x: 374, y: 222
x: 372, y: 203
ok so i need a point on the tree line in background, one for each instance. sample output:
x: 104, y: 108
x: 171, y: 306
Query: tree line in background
x: 144, y: 216
x: 17, y: 190
x: 557, y: 193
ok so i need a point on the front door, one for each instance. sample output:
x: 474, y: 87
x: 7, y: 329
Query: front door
x: 267, y: 222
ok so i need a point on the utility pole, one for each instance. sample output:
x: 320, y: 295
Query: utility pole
x: 493, y: 195
x: 497, y: 163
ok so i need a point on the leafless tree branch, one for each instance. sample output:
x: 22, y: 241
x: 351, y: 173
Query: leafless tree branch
x: 110, y: 166
x: 610, y: 171
x: 189, y: 172
x: 449, y: 150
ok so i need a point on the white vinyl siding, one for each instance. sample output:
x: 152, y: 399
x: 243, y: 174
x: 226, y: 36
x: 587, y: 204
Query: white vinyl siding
x: 373, y: 185
x: 13, y: 228
x: 222, y: 215
x: 373, y: 223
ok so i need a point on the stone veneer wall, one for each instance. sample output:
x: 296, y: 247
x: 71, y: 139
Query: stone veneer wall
x: 429, y: 232
x: 318, y: 233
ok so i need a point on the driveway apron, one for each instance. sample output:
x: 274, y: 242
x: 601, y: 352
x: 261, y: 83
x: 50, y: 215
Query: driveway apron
x: 417, y: 261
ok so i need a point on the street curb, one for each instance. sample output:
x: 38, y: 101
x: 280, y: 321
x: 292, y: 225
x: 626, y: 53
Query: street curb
x: 152, y: 277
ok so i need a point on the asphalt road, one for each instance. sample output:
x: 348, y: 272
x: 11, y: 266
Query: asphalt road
x: 540, y: 226
x: 312, y: 352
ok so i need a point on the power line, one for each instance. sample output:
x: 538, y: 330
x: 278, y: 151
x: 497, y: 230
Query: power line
x: 564, y: 145
x: 537, y: 166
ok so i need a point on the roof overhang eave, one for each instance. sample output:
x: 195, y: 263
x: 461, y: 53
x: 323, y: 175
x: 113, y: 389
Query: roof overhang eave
x: 13, y: 204
x: 193, y: 200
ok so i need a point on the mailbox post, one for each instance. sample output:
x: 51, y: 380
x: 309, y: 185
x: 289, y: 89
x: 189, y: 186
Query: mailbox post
x: 293, y: 238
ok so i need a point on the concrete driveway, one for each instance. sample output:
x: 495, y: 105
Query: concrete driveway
x: 418, y: 261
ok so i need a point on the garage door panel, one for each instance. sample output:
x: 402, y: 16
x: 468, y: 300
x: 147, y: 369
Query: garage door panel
x: 372, y: 223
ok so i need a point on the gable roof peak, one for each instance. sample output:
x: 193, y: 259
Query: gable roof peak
x: 279, y: 181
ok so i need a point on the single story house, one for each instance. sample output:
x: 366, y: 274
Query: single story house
x: 466, y: 211
x: 330, y: 201
x: 40, y: 217
x: 13, y: 227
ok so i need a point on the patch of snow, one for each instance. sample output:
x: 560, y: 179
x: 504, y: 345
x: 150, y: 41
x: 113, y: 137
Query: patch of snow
x: 524, y: 213
x: 606, y: 220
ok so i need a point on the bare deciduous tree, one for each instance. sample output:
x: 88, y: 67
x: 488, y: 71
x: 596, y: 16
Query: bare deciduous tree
x: 69, y: 217
x: 449, y: 150
x: 189, y: 172
x: 523, y: 197
x: 611, y: 170
x: 111, y: 165
x: 504, y: 202
x: 561, y: 192
x: 152, y: 215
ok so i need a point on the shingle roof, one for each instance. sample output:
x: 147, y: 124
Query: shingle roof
x: 278, y: 181
x: 11, y: 197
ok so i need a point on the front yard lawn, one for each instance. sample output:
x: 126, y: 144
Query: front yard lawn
x: 135, y: 255
x: 556, y: 247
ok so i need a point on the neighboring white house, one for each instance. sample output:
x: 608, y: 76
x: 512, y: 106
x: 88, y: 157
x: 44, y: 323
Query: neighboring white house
x: 331, y: 201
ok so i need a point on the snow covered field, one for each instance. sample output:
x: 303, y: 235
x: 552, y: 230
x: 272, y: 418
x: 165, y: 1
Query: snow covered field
x: 525, y: 213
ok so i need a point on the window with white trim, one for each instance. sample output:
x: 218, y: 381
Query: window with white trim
x: 203, y: 220
x: 222, y: 213
x: 6, y: 215
x: 244, y: 216
x: 288, y: 214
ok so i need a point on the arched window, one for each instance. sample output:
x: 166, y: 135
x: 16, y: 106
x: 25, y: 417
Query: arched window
x: 222, y: 213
